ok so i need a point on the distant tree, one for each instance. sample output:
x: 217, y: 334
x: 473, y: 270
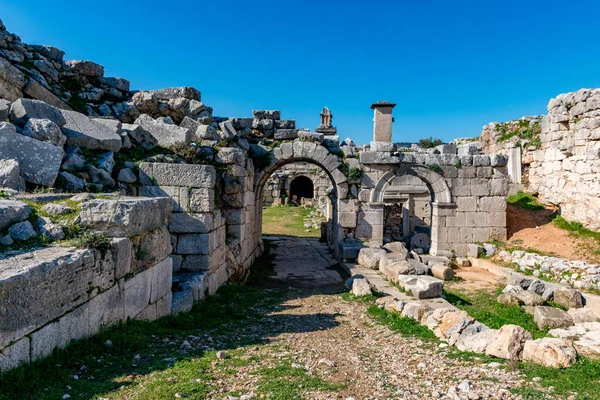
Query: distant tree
x: 430, y: 142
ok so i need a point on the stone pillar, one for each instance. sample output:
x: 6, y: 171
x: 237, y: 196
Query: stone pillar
x: 382, y: 121
x: 406, y: 218
x: 514, y: 165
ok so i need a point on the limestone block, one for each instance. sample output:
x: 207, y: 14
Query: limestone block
x: 567, y: 297
x: 361, y: 287
x: 107, y: 308
x: 452, y: 324
x: 191, y: 223
x: 39, y: 162
x: 509, y: 343
x: 422, y: 287
x: 582, y: 315
x: 73, y: 325
x: 217, y: 279
x: 480, y: 187
x: 370, y: 157
x: 12, y: 81
x: 476, y: 338
x: 193, y: 243
x: 347, y: 219
x: 24, y: 109
x: 196, y: 263
x: 121, y: 252
x: 369, y: 257
x: 136, y: 293
x: 166, y: 191
x: 12, y: 211
x: 442, y: 272
x: 140, y: 135
x: 230, y: 156
x: 84, y: 132
x: 189, y: 175
x: 15, y: 354
x: 492, y: 204
x: 162, y: 274
x: 126, y: 216
x: 163, y: 305
x: 165, y: 134
x: 466, y: 204
x: 415, y: 310
x: 147, y: 314
x: 182, y: 302
x: 550, y: 317
x: 550, y: 352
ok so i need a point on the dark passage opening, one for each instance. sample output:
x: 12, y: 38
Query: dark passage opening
x: 301, y: 187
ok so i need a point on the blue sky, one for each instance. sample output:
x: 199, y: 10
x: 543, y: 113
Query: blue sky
x: 451, y: 66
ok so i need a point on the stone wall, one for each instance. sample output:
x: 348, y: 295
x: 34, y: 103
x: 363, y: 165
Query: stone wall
x: 559, y: 154
x: 54, y: 295
x: 468, y: 196
x: 565, y: 169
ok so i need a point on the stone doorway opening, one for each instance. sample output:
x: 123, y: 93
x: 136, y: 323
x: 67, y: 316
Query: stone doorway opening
x: 301, y: 188
x: 407, y: 213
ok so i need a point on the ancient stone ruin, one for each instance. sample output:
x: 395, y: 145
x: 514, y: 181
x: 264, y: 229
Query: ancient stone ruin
x: 168, y: 199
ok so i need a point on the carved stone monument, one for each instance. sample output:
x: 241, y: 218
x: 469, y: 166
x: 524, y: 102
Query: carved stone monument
x: 383, y: 121
x: 326, y: 128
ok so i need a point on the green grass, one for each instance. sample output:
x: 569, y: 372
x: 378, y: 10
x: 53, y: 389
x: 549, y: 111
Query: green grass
x: 484, y: 308
x: 107, y: 369
x: 578, y: 229
x: 525, y: 200
x: 287, y: 221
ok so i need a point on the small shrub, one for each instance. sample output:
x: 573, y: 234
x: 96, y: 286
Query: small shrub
x: 93, y: 240
x: 354, y: 174
x: 436, y: 168
x: 429, y: 142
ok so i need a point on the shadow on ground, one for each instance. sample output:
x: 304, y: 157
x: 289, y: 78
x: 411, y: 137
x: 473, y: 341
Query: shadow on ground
x: 236, y: 317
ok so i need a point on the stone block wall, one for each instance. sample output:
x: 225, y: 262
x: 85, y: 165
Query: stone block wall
x: 54, y: 295
x: 565, y: 169
x: 468, y: 196
x: 213, y: 225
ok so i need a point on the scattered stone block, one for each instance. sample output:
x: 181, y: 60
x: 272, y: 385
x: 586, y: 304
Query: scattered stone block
x: 165, y: 134
x: 490, y: 249
x: 82, y: 131
x: 87, y: 68
x: 44, y: 130
x: 567, y: 297
x: 187, y: 175
x: 127, y: 175
x: 475, y: 250
x: 462, y: 262
x: 550, y: 317
x: 530, y: 298
x: 369, y: 257
x: 509, y: 343
x: 550, y: 352
x: 422, y: 286
x: 39, y: 162
x: 509, y: 299
x: 126, y: 216
x: 476, y: 338
x: 361, y: 287
x: 415, y: 310
x: 582, y: 315
x: 442, y: 272
x: 24, y: 109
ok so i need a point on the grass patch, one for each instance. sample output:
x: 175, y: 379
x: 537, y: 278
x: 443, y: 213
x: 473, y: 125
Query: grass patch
x: 145, y: 360
x: 484, y: 308
x: 525, y: 200
x: 283, y: 382
x: 288, y: 221
x: 578, y: 229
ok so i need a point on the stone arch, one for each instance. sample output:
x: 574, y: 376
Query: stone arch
x: 441, y: 199
x: 313, y: 153
x: 437, y: 185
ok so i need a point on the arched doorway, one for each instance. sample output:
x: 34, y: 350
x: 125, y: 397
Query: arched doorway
x: 301, y: 187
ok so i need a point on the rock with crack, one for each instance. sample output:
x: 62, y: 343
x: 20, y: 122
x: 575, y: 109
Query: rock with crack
x: 422, y: 286
x: 550, y: 352
x: 39, y: 162
x: 44, y: 130
x: 530, y: 298
x: 165, y: 134
x: 22, y: 231
x: 23, y: 110
x: 57, y: 209
x: 452, y: 325
x: 369, y: 257
x: 49, y: 229
x: 415, y: 310
x: 508, y: 343
x: 476, y: 338
x: 582, y: 315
